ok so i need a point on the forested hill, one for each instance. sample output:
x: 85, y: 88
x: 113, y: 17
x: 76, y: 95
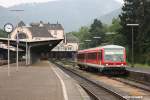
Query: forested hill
x: 71, y: 13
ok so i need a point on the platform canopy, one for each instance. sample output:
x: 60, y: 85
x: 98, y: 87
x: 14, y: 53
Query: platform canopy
x: 41, y: 43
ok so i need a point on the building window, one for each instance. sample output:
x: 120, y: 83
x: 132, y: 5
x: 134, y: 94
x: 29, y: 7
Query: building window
x: 21, y: 36
x: 69, y: 48
x: 55, y: 32
x: 80, y: 56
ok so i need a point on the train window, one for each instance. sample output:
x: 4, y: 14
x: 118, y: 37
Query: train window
x: 80, y: 56
x: 114, y: 55
x: 92, y: 56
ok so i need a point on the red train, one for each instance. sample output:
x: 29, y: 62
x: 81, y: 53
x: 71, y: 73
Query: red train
x: 104, y: 57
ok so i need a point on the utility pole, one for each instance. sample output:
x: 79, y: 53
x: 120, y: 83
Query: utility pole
x: 26, y: 51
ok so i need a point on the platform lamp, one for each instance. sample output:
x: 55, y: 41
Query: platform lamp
x: 8, y: 28
x: 97, y: 38
x: 132, y: 26
x: 88, y: 42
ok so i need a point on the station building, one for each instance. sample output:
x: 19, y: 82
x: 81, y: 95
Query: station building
x: 36, y: 33
x: 66, y: 49
x: 36, y: 38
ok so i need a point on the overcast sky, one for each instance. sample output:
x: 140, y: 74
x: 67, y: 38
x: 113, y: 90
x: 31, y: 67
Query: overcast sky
x: 8, y: 3
x: 120, y: 1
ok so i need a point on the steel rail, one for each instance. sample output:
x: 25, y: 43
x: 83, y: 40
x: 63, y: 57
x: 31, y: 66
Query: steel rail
x: 96, y: 89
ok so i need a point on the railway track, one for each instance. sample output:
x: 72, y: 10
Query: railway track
x: 96, y: 91
x: 133, y: 83
x: 125, y: 91
x: 139, y: 80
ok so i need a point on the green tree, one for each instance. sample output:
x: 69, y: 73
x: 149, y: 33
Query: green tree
x: 97, y: 29
x: 115, y: 27
x: 2, y: 33
x: 113, y: 36
x: 137, y: 11
x: 82, y: 34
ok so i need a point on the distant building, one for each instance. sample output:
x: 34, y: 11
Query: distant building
x: 71, y: 44
x: 66, y: 49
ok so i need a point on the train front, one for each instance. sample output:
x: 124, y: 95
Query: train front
x: 114, y: 57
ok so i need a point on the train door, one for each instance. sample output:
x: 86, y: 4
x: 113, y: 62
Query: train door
x: 86, y: 58
x: 99, y: 57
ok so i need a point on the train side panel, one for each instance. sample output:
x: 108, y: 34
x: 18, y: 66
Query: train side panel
x: 97, y: 57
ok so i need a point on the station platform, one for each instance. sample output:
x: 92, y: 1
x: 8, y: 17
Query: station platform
x: 140, y: 70
x: 42, y: 81
x: 141, y: 75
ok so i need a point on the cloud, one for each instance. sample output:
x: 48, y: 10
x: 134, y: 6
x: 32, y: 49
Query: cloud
x: 9, y: 3
x: 121, y: 1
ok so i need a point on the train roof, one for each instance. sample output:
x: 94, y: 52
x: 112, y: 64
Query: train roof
x: 112, y: 46
x: 100, y: 47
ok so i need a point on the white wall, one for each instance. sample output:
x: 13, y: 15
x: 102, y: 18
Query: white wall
x: 57, y: 33
x: 22, y: 30
x: 66, y: 47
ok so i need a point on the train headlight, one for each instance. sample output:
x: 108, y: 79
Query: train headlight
x: 106, y: 64
x: 122, y: 64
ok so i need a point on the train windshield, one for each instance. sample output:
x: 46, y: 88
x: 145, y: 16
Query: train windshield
x: 114, y: 55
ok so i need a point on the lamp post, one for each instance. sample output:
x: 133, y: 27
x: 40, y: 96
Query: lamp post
x: 97, y: 38
x: 17, y: 40
x: 132, y: 26
x: 88, y: 42
x: 26, y: 51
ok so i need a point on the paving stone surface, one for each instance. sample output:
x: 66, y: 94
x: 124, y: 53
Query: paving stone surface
x: 30, y: 83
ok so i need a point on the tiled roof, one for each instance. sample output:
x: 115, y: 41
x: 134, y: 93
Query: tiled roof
x: 55, y: 26
x: 48, y: 25
x: 39, y: 31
